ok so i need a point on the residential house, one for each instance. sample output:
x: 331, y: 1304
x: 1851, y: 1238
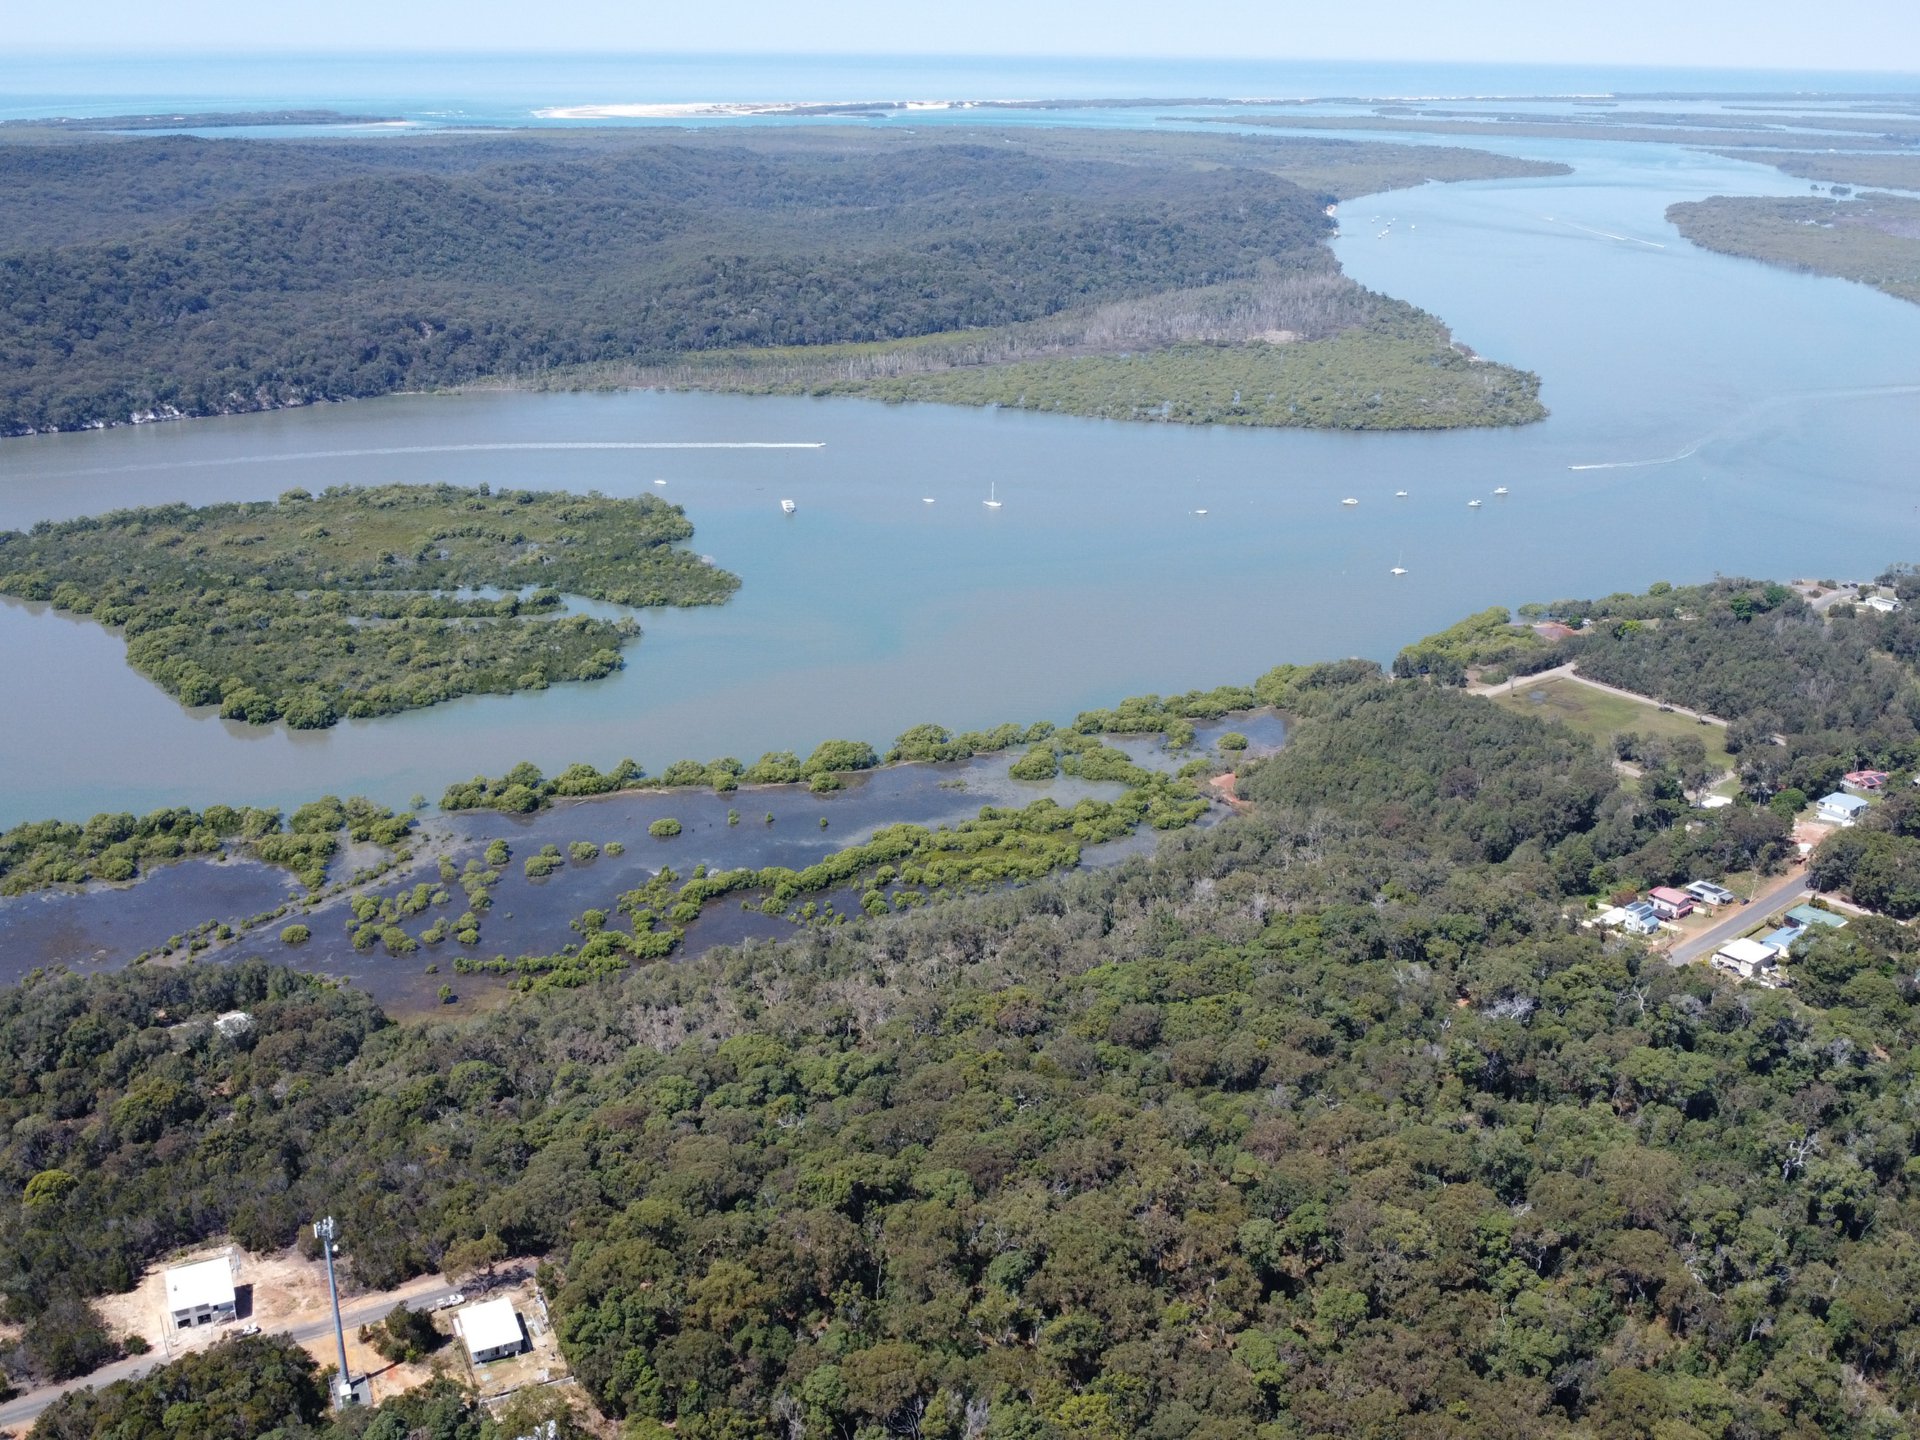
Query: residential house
x: 1885, y: 604
x: 1869, y: 780
x: 1749, y: 959
x: 1814, y: 915
x: 1641, y: 918
x: 1839, y: 808
x: 1708, y: 893
x: 1782, y: 941
x: 491, y: 1330
x: 201, y: 1293
x: 1669, y: 903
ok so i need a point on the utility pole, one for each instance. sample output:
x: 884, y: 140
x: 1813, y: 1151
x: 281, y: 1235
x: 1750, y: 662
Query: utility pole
x: 324, y: 1231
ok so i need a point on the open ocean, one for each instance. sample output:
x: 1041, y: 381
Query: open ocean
x: 489, y: 90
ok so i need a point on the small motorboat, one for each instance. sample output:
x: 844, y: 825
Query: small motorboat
x: 1349, y: 501
x: 659, y: 482
x: 788, y: 507
x: 1499, y: 489
x: 926, y: 499
x: 1398, y: 570
x: 1473, y: 504
x: 1199, y: 512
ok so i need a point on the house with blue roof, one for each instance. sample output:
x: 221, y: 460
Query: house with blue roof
x: 1839, y: 808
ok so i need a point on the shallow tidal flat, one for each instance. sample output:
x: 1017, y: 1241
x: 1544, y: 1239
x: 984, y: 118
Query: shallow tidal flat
x: 104, y: 927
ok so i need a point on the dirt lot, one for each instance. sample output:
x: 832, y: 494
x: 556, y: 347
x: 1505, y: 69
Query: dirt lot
x: 272, y: 1291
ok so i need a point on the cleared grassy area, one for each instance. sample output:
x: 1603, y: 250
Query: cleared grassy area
x: 1603, y: 716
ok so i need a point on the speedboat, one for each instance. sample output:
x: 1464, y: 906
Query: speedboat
x: 1473, y: 504
x: 1399, y: 494
x: 788, y: 506
x: 1349, y: 501
x: 1499, y: 489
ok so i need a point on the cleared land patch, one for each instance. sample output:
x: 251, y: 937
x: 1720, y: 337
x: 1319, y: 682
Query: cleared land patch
x: 1601, y: 715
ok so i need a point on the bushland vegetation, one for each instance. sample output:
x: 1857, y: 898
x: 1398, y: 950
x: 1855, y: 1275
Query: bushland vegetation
x: 1324, y: 1121
x: 118, y: 847
x: 1874, y: 239
x: 357, y: 602
x: 170, y: 277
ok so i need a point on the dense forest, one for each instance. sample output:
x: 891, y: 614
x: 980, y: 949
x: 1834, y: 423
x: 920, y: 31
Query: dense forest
x: 1325, y: 1121
x: 239, y: 275
x: 355, y: 602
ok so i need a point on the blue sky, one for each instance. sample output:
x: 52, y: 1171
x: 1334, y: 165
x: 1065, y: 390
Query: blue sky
x: 1784, y: 34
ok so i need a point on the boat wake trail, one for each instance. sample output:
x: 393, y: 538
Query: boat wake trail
x: 1604, y: 234
x: 1687, y: 454
x: 464, y: 449
x: 1746, y: 418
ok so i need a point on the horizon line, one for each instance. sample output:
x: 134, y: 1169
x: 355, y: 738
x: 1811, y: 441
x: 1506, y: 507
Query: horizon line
x: 300, y: 52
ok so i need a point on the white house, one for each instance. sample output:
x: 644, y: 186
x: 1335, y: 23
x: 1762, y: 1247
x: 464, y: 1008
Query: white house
x: 201, y: 1294
x: 1749, y: 959
x: 1839, y: 809
x: 1884, y: 604
x: 491, y: 1329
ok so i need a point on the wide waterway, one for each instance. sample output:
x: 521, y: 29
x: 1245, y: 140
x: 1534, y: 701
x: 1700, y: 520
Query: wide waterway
x: 1756, y: 420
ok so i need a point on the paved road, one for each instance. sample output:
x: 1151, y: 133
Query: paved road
x: 1741, y: 918
x: 425, y: 1294
x: 1567, y: 672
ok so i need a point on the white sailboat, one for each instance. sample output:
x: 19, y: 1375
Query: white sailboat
x: 788, y: 506
x: 992, y: 502
x: 1398, y: 570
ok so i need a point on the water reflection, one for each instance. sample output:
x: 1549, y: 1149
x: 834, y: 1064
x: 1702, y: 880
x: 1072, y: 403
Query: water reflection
x: 103, y: 927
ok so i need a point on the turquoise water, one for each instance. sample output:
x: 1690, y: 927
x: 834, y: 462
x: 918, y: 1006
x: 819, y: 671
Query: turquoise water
x: 1709, y: 414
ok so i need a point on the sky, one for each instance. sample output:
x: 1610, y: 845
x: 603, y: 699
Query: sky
x: 1742, y: 34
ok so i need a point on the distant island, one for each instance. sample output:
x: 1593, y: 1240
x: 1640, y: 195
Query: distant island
x: 1871, y: 238
x: 1134, y: 276
x: 356, y: 603
x: 204, y: 120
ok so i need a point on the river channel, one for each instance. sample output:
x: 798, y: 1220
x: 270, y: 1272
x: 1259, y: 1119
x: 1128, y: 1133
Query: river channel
x: 1709, y: 414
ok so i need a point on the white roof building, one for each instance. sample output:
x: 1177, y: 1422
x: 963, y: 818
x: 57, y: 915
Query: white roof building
x: 491, y: 1330
x: 1749, y: 959
x: 201, y: 1293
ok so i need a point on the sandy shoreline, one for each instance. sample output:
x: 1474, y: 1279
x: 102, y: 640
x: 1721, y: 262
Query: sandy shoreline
x: 733, y: 109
